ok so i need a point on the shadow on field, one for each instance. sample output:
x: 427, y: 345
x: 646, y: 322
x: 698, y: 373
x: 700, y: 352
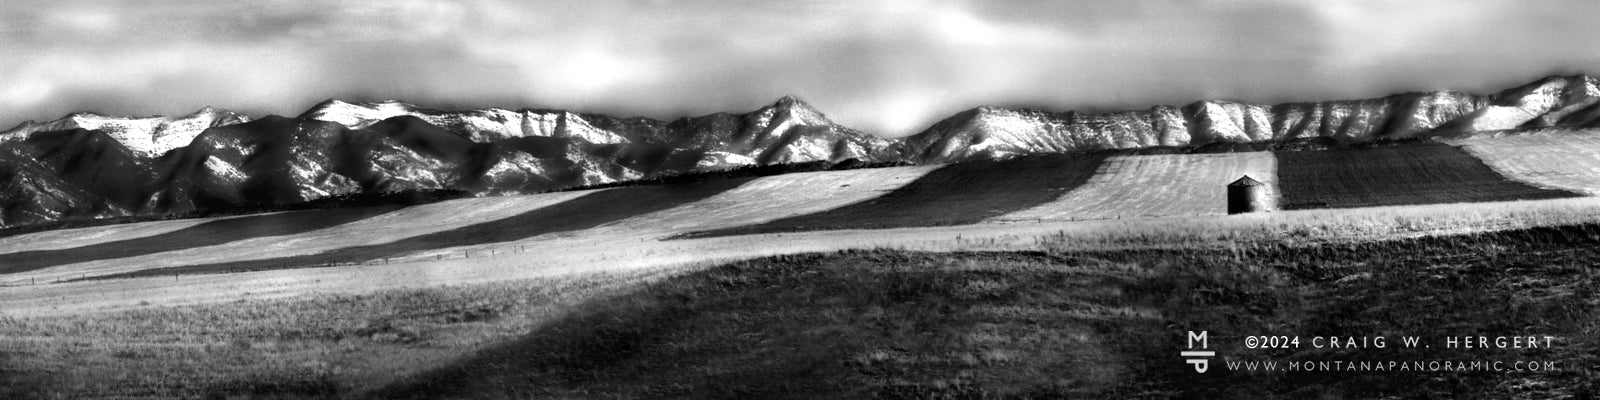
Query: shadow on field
x: 957, y: 194
x: 889, y: 324
x: 205, y: 234
x: 857, y: 325
x: 1428, y: 173
x: 583, y: 212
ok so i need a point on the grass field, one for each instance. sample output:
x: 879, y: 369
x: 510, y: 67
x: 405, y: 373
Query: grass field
x: 383, y: 228
x: 584, y: 253
x: 427, y: 226
x: 1566, y: 160
x: 1101, y: 325
x: 316, y: 346
x: 587, y: 211
x: 778, y: 197
x: 1156, y: 186
x: 865, y: 324
x: 956, y: 194
x: 1430, y: 173
x: 210, y: 233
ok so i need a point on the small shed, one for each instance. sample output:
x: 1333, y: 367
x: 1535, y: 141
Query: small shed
x: 1248, y: 195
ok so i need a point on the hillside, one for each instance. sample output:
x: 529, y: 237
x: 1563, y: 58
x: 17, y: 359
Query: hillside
x: 861, y: 324
x: 910, y: 325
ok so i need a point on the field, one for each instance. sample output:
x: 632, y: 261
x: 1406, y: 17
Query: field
x: 316, y: 346
x: 883, y: 324
x: 383, y: 228
x: 1416, y: 174
x: 1566, y: 160
x: 1156, y: 186
x: 592, y: 209
x: 957, y: 194
x: 633, y: 212
x: 1105, y: 325
x: 1043, y: 277
x: 215, y: 232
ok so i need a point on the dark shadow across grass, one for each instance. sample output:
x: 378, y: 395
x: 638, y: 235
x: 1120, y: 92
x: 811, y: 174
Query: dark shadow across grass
x: 583, y: 212
x: 958, y: 194
x: 205, y: 234
x: 1420, y: 173
x: 886, y: 324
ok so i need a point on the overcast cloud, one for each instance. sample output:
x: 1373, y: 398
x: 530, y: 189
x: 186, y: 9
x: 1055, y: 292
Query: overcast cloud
x: 891, y: 67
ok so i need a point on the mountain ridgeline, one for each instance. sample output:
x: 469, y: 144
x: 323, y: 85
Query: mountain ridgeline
x: 96, y: 166
x: 987, y: 132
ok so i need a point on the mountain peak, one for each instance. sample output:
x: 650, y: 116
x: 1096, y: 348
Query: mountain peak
x: 789, y: 100
x: 214, y: 112
x: 357, y: 115
x: 793, y: 102
x: 1570, y: 78
x: 91, y: 115
x: 800, y: 109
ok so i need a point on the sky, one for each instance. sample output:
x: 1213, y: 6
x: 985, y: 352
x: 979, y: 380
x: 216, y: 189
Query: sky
x: 886, y: 67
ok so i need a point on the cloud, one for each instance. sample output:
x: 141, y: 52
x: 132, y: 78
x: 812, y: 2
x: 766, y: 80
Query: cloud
x: 891, y: 67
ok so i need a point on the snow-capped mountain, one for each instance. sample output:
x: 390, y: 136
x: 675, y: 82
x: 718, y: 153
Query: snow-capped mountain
x: 87, y: 165
x: 990, y: 131
x: 148, y: 136
x: 786, y: 131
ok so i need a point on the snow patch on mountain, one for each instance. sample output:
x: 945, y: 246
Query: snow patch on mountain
x: 147, y: 136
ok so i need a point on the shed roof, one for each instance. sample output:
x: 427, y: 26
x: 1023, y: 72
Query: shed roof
x: 1246, y: 181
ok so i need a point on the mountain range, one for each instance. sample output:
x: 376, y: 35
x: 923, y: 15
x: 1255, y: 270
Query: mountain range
x: 94, y: 166
x: 986, y: 132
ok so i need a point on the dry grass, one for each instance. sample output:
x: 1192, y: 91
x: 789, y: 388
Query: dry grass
x: 1144, y: 186
x: 1317, y: 226
x: 1553, y: 158
x: 612, y: 252
x: 756, y: 200
x: 956, y: 194
x: 985, y: 339
x: 209, y: 233
x: 318, y: 346
x: 1428, y: 173
x: 886, y: 324
x: 882, y: 324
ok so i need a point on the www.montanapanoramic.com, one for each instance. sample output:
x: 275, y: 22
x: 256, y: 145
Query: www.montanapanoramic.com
x: 1392, y: 366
